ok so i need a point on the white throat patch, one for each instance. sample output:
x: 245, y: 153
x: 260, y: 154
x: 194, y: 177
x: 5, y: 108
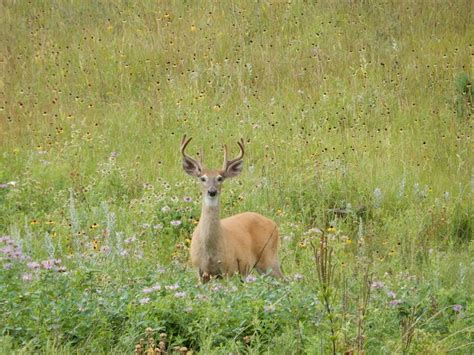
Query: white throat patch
x: 211, y: 202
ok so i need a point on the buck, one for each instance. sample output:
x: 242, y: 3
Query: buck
x: 237, y: 244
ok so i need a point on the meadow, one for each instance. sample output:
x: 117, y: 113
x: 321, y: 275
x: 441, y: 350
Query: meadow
x: 357, y: 119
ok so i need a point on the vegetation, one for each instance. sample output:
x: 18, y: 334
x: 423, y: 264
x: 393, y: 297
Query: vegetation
x: 358, y: 125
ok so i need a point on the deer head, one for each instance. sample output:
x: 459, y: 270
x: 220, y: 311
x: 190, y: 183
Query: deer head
x: 211, y: 179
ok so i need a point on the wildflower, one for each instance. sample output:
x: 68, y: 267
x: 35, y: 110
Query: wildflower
x: 315, y: 231
x: 147, y: 290
x: 391, y: 294
x: 165, y: 209
x: 47, y: 264
x: 180, y: 294
x: 172, y: 287
x: 457, y: 308
x: 250, y: 278
x: 377, y: 284
x: 188, y: 309
x: 33, y: 265
x: 395, y: 302
x: 298, y: 277
x: 187, y: 199
x: 130, y: 240
x: 377, y: 197
x: 158, y: 226
x: 4, y: 186
x: 176, y: 223
x: 269, y: 308
x: 27, y: 277
x: 123, y: 252
x: 144, y: 300
x: 105, y: 249
x: 331, y: 229
x: 7, y: 266
x: 62, y: 269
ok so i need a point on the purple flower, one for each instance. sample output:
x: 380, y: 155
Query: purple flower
x: 4, y: 186
x: 147, y: 290
x: 105, y: 249
x: 130, y: 240
x: 395, y: 302
x: 144, y: 300
x: 172, y: 287
x: 33, y: 265
x: 47, y: 264
x: 7, y: 266
x: 391, y: 294
x: 457, y: 308
x: 187, y: 199
x: 176, y: 223
x: 250, y: 278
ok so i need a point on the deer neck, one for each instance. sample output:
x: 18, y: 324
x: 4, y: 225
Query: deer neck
x: 210, y: 224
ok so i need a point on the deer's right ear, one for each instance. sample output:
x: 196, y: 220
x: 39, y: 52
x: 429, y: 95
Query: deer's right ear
x: 191, y: 167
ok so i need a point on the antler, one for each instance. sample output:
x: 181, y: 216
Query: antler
x: 228, y: 163
x: 184, y: 144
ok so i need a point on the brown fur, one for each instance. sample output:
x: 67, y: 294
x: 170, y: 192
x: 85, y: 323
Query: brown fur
x: 235, y: 244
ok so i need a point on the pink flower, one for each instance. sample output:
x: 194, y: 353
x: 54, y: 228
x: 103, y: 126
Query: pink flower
x: 172, y: 287
x: 457, y: 308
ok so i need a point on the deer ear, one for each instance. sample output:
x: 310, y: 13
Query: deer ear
x: 234, y: 169
x: 191, y: 168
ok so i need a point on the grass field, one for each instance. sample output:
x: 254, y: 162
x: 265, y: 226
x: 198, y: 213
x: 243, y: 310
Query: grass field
x: 357, y: 118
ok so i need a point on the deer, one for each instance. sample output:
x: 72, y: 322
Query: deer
x: 233, y: 245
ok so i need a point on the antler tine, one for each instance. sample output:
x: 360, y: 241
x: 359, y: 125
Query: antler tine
x: 184, y: 143
x: 239, y: 157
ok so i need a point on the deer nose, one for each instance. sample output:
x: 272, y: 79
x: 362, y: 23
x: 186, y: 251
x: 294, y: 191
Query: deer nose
x: 212, y: 192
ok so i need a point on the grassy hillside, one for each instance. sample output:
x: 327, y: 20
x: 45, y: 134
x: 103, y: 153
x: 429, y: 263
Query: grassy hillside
x: 357, y: 119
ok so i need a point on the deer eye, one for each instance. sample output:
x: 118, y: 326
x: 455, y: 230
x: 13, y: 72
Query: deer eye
x: 220, y: 178
x: 202, y: 178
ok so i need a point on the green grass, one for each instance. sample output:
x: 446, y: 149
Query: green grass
x: 352, y: 106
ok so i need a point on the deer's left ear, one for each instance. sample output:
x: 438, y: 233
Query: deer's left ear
x: 234, y: 169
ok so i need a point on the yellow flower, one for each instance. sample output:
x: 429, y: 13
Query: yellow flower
x: 94, y: 226
x: 34, y: 221
x: 349, y: 241
x: 193, y: 28
x: 331, y: 229
x: 95, y: 244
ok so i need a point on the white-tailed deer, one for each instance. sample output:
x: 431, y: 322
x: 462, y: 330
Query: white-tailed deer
x: 237, y: 244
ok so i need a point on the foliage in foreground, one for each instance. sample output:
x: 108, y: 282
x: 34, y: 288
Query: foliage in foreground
x: 358, y: 121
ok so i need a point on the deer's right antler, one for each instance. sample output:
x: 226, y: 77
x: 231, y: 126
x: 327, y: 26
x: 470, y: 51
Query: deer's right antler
x: 188, y: 161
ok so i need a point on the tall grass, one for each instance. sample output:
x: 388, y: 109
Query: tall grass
x: 358, y: 122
